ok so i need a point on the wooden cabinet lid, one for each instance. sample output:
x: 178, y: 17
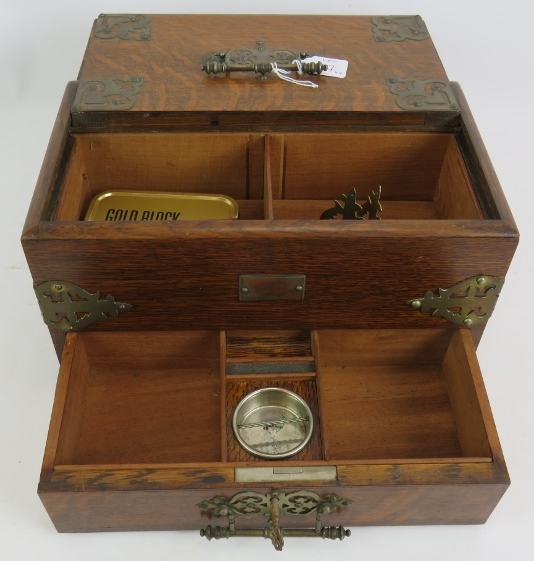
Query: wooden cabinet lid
x: 146, y: 70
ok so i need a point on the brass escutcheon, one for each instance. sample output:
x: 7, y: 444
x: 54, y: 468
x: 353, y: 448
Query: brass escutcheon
x: 274, y: 504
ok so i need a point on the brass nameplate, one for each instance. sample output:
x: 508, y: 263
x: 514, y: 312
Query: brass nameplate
x: 269, y: 288
x: 113, y: 206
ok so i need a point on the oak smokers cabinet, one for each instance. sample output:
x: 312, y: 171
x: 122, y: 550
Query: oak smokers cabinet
x: 162, y: 327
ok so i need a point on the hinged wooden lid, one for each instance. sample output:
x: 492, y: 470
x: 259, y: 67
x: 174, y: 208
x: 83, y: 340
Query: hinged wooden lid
x: 142, y: 70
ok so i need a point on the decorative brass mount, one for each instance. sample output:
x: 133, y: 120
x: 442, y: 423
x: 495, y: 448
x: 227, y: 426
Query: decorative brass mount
x: 260, y: 61
x: 107, y: 94
x: 123, y: 26
x: 349, y: 209
x: 414, y: 94
x: 399, y: 28
x: 275, y: 504
x: 68, y: 307
x: 468, y: 302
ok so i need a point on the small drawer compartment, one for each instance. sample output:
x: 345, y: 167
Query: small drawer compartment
x: 422, y: 176
x: 141, y: 398
x: 222, y: 164
x: 399, y: 395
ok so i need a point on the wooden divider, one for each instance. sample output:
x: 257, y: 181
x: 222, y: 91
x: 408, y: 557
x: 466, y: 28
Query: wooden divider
x: 275, y: 176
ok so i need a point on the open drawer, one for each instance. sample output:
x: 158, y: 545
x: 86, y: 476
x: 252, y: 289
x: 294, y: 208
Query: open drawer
x: 141, y: 431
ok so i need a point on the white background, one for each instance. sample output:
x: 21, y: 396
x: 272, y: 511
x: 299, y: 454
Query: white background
x: 484, y: 45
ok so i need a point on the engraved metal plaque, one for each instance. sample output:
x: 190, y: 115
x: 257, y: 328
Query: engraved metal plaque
x: 268, y: 288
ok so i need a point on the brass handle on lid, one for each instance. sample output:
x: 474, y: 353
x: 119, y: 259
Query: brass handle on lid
x: 260, y: 61
x: 275, y: 504
x: 221, y: 67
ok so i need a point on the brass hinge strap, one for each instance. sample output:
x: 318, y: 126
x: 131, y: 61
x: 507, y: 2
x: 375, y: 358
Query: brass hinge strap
x: 67, y: 307
x: 468, y: 302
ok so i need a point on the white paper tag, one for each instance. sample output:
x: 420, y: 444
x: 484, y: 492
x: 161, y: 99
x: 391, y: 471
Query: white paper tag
x: 337, y: 68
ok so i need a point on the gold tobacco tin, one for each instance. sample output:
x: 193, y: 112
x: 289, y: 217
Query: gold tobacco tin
x: 112, y: 206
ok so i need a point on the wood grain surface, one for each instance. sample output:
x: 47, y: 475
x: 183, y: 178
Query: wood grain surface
x: 140, y: 431
x: 170, y: 64
x: 446, y: 502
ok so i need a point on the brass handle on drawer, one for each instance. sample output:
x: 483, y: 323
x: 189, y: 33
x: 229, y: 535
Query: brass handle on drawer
x: 296, y: 503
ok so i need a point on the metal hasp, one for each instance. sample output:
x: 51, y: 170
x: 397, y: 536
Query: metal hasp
x: 274, y: 504
x: 68, y: 307
x: 469, y: 302
x: 261, y: 61
x: 349, y: 209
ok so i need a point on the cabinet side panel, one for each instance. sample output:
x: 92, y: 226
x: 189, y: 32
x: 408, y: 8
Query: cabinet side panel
x: 50, y: 163
x: 465, y: 402
x: 454, y: 197
x: 58, y: 412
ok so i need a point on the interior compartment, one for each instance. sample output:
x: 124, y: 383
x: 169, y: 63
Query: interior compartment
x: 422, y: 175
x: 225, y: 164
x: 142, y: 398
x: 169, y: 397
x: 399, y: 395
x: 280, y: 176
x: 236, y: 390
x: 269, y: 359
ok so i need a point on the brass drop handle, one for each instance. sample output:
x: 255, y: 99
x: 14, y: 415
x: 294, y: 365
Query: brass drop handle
x: 276, y: 503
